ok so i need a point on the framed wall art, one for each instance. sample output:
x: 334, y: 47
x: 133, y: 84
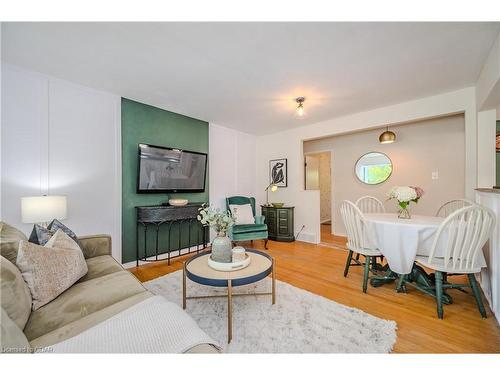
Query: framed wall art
x: 278, y: 172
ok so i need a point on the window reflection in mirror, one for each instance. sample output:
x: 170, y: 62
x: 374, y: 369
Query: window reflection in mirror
x: 373, y: 168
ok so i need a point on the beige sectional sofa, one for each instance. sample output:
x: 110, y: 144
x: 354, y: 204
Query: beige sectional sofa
x: 104, y: 291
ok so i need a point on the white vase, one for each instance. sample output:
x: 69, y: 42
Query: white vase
x: 222, y: 249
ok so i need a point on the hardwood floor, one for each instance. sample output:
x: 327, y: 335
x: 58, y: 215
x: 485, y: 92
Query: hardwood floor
x: 330, y: 240
x: 319, y: 269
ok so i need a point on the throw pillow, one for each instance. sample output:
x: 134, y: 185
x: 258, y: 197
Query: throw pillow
x: 49, y: 271
x: 62, y: 240
x: 9, y: 241
x: 41, y: 235
x: 242, y: 214
x: 56, y: 224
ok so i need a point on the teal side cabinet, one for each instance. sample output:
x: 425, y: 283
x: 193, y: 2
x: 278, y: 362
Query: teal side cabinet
x: 279, y: 223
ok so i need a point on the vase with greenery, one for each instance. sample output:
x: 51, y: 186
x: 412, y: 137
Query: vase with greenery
x: 220, y: 221
x: 405, y: 195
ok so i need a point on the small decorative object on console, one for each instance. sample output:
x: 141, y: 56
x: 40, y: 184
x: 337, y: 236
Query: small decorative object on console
x: 239, y: 254
x: 405, y: 195
x: 220, y: 221
x: 177, y: 202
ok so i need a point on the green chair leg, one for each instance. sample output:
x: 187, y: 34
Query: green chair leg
x: 439, y: 294
x: 365, y: 274
x: 348, y: 263
x: 401, y: 284
x: 477, y: 294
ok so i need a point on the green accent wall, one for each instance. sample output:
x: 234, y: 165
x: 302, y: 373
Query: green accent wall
x: 143, y: 123
x: 498, y: 159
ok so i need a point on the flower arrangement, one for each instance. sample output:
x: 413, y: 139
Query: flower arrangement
x: 405, y: 195
x: 219, y: 220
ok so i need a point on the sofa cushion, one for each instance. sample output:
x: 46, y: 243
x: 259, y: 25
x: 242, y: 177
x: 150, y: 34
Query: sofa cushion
x: 80, y: 300
x: 96, y: 245
x: 15, y: 295
x: 80, y: 325
x: 12, y: 339
x: 249, y: 228
x: 49, y: 271
x: 9, y: 241
x: 101, y: 266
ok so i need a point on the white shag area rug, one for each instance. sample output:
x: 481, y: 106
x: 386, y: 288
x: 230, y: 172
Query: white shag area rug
x: 299, y: 322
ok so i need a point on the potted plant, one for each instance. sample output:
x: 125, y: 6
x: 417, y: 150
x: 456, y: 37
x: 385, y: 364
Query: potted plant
x: 405, y: 195
x: 220, y: 221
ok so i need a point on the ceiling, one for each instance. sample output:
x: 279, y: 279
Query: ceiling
x: 246, y: 75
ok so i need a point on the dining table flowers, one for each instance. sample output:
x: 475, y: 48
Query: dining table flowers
x: 405, y: 195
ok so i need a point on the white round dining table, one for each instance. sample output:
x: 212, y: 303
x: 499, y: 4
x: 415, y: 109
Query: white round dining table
x: 401, y: 240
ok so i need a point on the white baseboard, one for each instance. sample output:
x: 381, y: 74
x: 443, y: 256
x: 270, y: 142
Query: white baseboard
x: 185, y: 251
x: 307, y: 237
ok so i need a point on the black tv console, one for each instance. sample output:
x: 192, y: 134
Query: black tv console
x: 172, y: 229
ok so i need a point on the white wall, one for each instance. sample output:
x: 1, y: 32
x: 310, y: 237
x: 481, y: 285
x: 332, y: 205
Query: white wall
x: 424, y: 147
x: 312, y: 172
x: 488, y: 83
x: 288, y: 145
x: 61, y: 138
x: 486, y: 151
x: 231, y: 164
x: 1, y: 122
x: 318, y: 177
x: 490, y: 276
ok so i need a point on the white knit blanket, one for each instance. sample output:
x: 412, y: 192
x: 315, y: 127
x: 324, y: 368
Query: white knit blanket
x: 151, y: 326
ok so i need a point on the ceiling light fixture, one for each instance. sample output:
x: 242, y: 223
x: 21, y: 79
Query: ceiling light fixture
x: 387, y: 137
x: 300, y: 112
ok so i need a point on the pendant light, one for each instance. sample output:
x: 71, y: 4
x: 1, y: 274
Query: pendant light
x: 299, y: 111
x: 387, y: 137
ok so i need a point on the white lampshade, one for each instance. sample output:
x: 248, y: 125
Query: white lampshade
x: 42, y: 209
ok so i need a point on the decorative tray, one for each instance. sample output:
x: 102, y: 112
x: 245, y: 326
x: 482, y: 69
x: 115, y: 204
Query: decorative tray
x: 227, y: 267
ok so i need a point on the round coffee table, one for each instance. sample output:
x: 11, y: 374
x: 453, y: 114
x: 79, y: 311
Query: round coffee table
x: 196, y: 269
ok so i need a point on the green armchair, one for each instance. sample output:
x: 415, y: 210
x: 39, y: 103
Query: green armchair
x: 247, y: 232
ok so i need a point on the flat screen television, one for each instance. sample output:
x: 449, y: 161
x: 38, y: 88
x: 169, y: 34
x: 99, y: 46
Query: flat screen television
x: 170, y: 170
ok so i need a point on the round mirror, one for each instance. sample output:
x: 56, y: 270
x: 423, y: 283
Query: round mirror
x: 373, y: 168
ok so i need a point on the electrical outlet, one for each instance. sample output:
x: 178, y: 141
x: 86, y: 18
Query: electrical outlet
x: 435, y: 175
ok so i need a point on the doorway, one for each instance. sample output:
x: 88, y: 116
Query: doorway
x: 318, y: 176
